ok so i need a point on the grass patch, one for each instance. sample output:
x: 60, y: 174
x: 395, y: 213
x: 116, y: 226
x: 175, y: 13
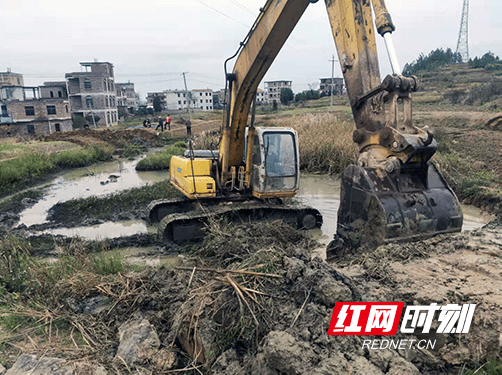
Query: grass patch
x: 478, y: 186
x: 492, y: 367
x: 82, y: 157
x: 11, y: 148
x: 160, y: 160
x: 31, y: 166
x: 109, y: 263
x: 133, y: 200
x: 13, y: 203
x: 28, y: 166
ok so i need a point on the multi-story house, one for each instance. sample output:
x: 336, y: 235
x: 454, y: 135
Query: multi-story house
x: 151, y: 97
x: 92, y: 94
x: 261, y: 97
x: 325, y: 86
x: 203, y: 99
x: 34, y: 110
x: 126, y: 97
x: 218, y: 99
x: 11, y: 79
x: 273, y: 89
x: 199, y: 99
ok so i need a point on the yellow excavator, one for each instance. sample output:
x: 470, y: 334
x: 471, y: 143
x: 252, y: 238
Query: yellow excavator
x: 394, y: 193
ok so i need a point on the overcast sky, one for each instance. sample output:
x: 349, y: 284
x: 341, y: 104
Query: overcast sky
x: 151, y: 42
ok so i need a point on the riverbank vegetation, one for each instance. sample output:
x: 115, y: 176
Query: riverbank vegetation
x: 160, y: 160
x: 127, y: 204
x: 29, y: 166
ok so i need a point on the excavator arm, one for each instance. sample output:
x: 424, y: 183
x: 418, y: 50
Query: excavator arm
x: 275, y: 23
x: 354, y: 34
x: 393, y: 193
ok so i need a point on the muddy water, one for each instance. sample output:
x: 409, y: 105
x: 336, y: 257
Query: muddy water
x: 99, y: 180
x: 321, y: 192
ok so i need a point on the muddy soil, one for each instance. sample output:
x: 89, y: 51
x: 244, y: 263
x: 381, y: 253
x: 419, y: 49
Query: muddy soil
x: 251, y: 299
x: 119, y: 138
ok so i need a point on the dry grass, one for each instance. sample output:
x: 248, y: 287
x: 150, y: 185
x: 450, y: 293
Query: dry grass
x: 326, y: 144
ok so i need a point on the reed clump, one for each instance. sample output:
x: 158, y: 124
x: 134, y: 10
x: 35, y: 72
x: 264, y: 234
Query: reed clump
x: 326, y: 144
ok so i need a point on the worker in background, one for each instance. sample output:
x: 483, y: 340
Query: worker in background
x: 146, y: 123
x: 188, y: 124
x: 160, y: 125
x: 168, y: 122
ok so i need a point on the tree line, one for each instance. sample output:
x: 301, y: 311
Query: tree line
x: 440, y: 57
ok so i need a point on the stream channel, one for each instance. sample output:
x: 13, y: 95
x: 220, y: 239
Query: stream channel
x: 319, y: 191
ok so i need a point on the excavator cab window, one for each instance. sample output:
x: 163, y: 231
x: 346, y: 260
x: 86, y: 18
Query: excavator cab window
x: 256, y: 151
x: 280, y: 155
x: 280, y: 160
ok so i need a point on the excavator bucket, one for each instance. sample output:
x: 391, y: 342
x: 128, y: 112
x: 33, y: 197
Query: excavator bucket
x: 406, y: 205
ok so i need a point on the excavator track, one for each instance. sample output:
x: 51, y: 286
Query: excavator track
x: 188, y: 224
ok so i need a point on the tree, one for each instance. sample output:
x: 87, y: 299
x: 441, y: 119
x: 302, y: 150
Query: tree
x: 78, y: 121
x: 157, y: 104
x: 487, y: 59
x: 92, y: 119
x: 432, y: 61
x: 287, y: 96
x: 300, y: 97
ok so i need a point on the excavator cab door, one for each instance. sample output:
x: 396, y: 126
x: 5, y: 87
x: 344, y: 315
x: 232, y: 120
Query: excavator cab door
x: 275, y: 163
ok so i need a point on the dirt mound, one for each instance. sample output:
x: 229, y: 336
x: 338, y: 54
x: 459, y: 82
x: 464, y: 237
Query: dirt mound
x: 117, y: 138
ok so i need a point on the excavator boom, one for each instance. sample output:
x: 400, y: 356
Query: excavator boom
x: 275, y: 23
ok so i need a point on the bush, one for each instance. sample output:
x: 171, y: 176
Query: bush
x: 485, y: 92
x: 82, y: 157
x: 160, y: 160
x: 27, y: 166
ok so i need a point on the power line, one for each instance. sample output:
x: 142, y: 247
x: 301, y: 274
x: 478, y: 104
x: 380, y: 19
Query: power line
x: 223, y: 14
x: 243, y: 7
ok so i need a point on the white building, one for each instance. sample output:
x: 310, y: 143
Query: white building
x: 199, y: 99
x: 203, y: 99
x: 261, y: 97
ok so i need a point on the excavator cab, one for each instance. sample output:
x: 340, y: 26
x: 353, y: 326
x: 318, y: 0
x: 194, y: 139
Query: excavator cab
x: 275, y: 163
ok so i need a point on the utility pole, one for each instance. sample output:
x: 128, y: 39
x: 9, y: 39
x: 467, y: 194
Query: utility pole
x: 186, y: 95
x: 332, y: 79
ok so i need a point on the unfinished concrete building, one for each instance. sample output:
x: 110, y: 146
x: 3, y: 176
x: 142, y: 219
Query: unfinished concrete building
x: 11, y: 79
x: 32, y: 110
x: 150, y: 98
x: 325, y: 86
x: 273, y: 90
x: 92, y: 95
x: 127, y: 101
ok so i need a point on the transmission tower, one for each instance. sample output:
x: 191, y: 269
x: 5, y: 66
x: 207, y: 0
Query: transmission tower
x: 463, y: 44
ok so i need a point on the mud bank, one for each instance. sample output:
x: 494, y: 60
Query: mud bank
x: 251, y: 299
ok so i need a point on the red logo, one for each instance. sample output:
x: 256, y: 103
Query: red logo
x: 365, y: 318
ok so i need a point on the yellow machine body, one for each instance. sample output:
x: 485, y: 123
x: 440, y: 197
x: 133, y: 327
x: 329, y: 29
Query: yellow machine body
x: 192, y: 177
